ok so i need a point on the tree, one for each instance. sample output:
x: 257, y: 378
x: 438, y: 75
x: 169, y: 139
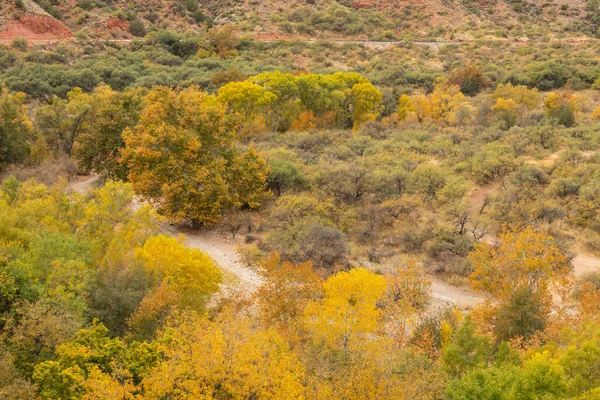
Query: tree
x: 445, y: 100
x: 54, y: 120
x: 184, y: 279
x: 483, y: 383
x: 183, y: 159
x: 224, y: 358
x: 95, y: 366
x: 366, y: 103
x: 405, y: 107
x: 191, y: 273
x: 324, y: 245
x: 99, y: 141
x: 284, y: 174
x: 541, y: 378
x: 428, y: 180
x: 137, y: 28
x: 245, y: 99
x: 521, y: 95
x: 422, y: 107
x: 524, y: 258
x: 285, y: 88
x: 223, y: 41
x: 470, y: 79
x: 348, y: 313
x: 522, y: 315
x: 15, y: 129
x: 467, y: 351
x: 561, y: 107
x: 408, y: 292
x: 506, y: 110
x: 287, y: 290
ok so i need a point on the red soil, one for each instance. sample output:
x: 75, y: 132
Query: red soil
x: 357, y: 5
x: 117, y: 24
x: 36, y: 27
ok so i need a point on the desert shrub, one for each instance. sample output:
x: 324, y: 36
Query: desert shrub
x: 325, y: 246
x: 20, y: 44
x: 470, y: 79
x: 522, y: 315
x: 434, y: 327
x: 137, y: 28
x: 7, y: 57
x: 48, y: 172
x: 563, y: 115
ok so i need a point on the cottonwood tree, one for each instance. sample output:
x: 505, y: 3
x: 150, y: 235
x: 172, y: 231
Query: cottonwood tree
x: 15, y: 129
x: 99, y: 120
x: 183, y: 158
x: 348, y: 313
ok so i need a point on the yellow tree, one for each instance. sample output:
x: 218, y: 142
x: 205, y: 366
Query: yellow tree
x: 245, y: 99
x: 285, y: 294
x: 556, y: 100
x: 405, y: 107
x: 183, y: 159
x: 507, y: 110
x: 366, y: 103
x: 521, y: 95
x: 285, y: 107
x: 422, y: 107
x: 524, y: 258
x: 505, y: 105
x: 348, y: 312
x: 185, y: 279
x: 191, y: 272
x: 445, y: 100
x: 226, y: 358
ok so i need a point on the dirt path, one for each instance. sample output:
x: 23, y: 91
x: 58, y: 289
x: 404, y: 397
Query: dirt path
x: 584, y: 264
x: 83, y: 184
x: 224, y: 252
x: 444, y: 293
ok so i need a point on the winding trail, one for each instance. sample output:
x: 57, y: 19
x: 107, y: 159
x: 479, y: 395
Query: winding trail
x: 224, y: 252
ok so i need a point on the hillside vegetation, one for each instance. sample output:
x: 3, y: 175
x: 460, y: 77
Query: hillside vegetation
x: 369, y: 19
x: 248, y: 200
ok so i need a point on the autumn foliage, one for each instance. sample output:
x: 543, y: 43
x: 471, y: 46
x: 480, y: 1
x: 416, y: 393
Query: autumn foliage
x: 182, y: 157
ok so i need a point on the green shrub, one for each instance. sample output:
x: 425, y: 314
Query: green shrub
x: 563, y: 116
x: 137, y: 28
x: 20, y: 44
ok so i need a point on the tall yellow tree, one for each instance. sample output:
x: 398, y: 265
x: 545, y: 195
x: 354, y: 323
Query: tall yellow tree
x: 366, y: 103
x: 182, y: 157
x: 445, y: 101
x: 184, y: 279
x: 405, y: 107
x: 348, y: 313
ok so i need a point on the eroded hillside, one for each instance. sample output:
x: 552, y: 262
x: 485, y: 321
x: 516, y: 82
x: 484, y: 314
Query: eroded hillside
x: 358, y: 19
